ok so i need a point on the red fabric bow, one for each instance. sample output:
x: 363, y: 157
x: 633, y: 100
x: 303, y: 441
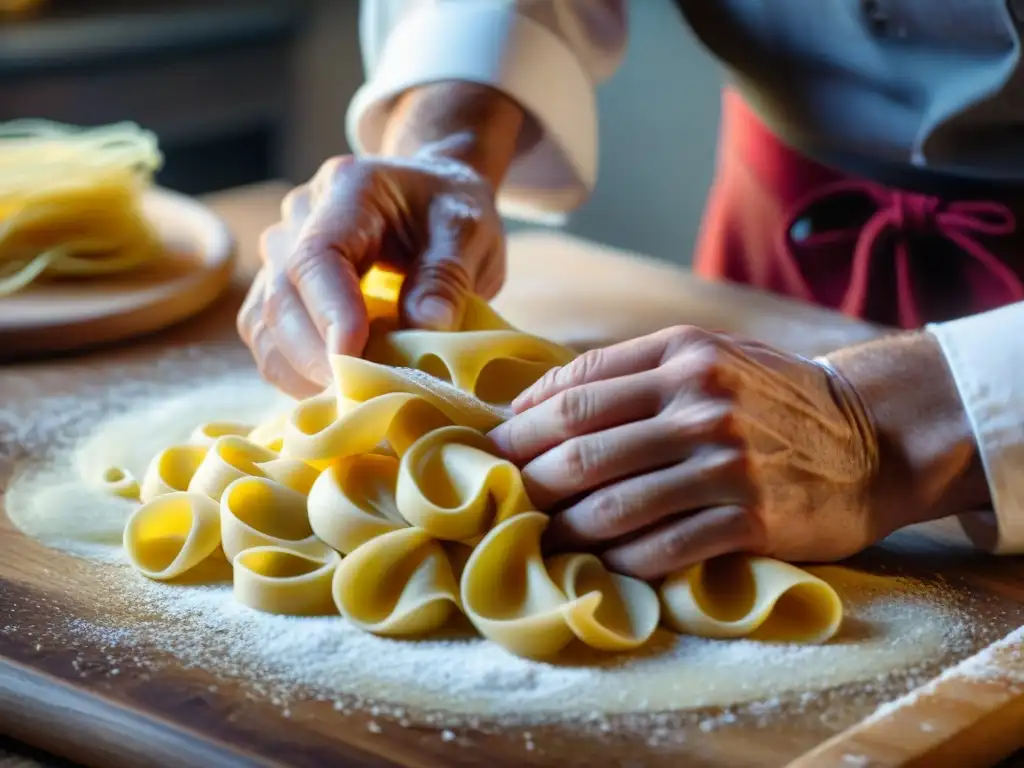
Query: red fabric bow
x: 940, y: 265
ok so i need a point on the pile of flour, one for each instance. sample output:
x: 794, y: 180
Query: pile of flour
x: 897, y: 629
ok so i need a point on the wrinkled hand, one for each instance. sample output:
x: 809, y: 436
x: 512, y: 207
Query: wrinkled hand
x: 433, y: 219
x: 683, y: 445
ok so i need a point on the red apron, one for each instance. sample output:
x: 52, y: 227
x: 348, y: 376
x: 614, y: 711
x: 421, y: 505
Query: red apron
x: 787, y: 224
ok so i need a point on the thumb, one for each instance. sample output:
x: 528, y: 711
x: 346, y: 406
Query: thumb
x: 443, y: 278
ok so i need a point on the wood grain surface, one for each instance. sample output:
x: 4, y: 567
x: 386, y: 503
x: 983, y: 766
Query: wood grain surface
x: 69, y: 696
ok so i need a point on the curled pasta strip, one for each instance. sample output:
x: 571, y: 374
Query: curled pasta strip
x: 606, y: 610
x: 508, y: 594
x: 399, y: 583
x: 172, y: 534
x: 120, y: 482
x: 293, y: 473
x: 257, y: 512
x: 353, y: 501
x: 171, y: 470
x: 540, y: 607
x: 325, y: 428
x: 270, y: 434
x: 228, y: 459
x: 485, y: 357
x: 453, y: 485
x: 207, y: 434
x: 277, y: 580
x: 755, y: 597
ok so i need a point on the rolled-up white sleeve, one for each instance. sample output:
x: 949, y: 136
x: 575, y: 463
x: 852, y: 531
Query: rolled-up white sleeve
x: 986, y: 355
x: 547, y: 55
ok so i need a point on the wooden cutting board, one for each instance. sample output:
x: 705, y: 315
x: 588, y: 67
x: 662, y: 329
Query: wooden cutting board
x: 76, y: 698
x: 50, y: 317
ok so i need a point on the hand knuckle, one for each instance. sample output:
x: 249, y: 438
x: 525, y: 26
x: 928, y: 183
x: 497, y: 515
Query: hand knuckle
x: 292, y: 201
x: 581, y: 458
x: 333, y: 167
x: 733, y: 462
x: 678, y: 337
x: 274, y: 300
x: 720, y: 421
x: 574, y: 408
x: 674, y: 545
x: 610, y: 513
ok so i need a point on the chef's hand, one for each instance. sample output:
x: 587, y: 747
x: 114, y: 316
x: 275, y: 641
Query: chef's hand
x: 683, y: 445
x: 425, y: 208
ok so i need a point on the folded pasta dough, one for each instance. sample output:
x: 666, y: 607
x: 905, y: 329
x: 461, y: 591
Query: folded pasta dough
x: 120, y: 482
x: 326, y: 427
x: 227, y: 460
x: 359, y: 380
x: 277, y: 580
x: 171, y: 470
x: 755, y: 597
x: 606, y: 610
x: 208, y: 433
x: 353, y: 501
x: 172, y: 534
x: 399, y: 583
x: 293, y: 473
x: 270, y: 434
x: 257, y: 512
x: 452, y: 485
x: 485, y: 357
x: 507, y: 592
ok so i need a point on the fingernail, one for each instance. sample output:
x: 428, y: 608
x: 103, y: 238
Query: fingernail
x: 436, y: 313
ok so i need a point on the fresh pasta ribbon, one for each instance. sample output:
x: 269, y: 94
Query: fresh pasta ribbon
x: 605, y: 610
x: 485, y: 357
x: 120, y: 482
x: 207, y: 434
x: 257, y: 512
x: 755, y: 597
x: 382, y: 499
x: 71, y: 201
x: 452, y: 485
x: 524, y: 614
x: 171, y: 470
x: 353, y: 501
x: 279, y: 580
x: 541, y: 606
x: 172, y: 534
x: 398, y: 583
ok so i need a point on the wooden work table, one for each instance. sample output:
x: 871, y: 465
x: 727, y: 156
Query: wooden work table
x: 568, y: 290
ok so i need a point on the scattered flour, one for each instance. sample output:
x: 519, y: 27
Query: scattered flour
x: 128, y: 412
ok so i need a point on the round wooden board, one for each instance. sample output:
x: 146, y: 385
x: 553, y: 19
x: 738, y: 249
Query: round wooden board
x: 60, y: 317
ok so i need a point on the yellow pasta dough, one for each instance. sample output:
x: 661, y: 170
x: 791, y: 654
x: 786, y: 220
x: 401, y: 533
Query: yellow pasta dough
x: 278, y: 580
x: 172, y: 534
x: 399, y: 583
x: 382, y: 499
x: 756, y: 597
x: 258, y: 512
x: 120, y: 482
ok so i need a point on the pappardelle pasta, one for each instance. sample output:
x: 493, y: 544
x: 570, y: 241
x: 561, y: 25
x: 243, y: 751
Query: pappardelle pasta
x: 382, y: 499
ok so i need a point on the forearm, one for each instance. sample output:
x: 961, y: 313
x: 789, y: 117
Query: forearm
x: 930, y: 466
x: 472, y: 123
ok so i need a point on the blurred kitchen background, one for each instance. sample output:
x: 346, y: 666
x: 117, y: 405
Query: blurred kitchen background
x: 241, y: 91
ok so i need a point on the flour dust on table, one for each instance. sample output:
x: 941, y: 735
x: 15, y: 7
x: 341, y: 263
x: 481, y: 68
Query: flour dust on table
x: 895, y: 629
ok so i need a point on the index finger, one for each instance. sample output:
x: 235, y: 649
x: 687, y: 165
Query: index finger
x: 338, y: 241
x: 622, y: 359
